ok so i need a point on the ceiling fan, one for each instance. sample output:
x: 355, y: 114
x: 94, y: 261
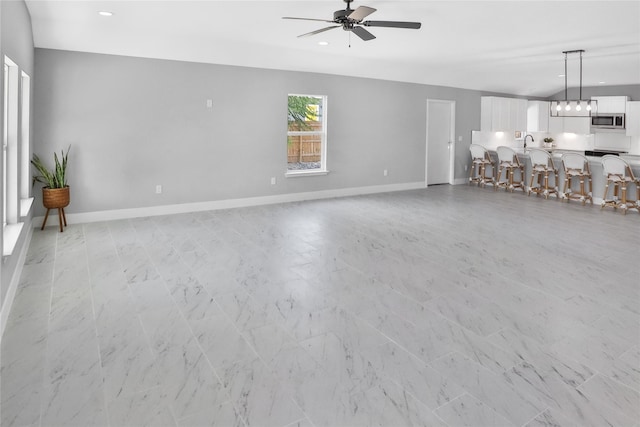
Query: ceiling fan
x: 352, y: 20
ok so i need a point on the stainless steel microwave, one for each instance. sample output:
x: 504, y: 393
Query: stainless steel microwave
x: 608, y: 121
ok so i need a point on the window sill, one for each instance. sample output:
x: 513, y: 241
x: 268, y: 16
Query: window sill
x: 299, y: 173
x: 25, y: 206
x: 10, y: 236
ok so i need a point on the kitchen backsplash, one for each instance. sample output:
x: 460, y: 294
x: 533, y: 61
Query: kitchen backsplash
x: 566, y: 141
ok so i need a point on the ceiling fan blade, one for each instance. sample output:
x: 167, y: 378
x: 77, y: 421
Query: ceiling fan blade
x: 360, y: 13
x: 321, y: 30
x: 363, y: 34
x: 393, y: 24
x: 306, y: 19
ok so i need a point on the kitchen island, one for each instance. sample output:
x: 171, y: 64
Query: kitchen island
x: 595, y: 165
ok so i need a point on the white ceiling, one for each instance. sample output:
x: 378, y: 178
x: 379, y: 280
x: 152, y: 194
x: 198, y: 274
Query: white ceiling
x: 500, y: 46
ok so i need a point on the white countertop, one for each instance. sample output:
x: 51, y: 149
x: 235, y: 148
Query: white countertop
x: 632, y: 159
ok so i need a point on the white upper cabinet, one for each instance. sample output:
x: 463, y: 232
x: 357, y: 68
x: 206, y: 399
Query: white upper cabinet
x: 502, y: 114
x: 633, y: 118
x: 611, y: 104
x: 537, y: 116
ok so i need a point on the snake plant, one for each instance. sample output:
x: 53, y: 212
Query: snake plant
x: 54, y: 178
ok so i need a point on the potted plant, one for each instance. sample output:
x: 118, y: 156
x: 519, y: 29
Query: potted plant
x: 55, y: 193
x: 548, y: 142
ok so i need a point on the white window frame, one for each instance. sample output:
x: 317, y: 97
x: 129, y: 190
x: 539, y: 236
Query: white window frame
x: 25, y: 145
x: 11, y: 228
x: 322, y: 170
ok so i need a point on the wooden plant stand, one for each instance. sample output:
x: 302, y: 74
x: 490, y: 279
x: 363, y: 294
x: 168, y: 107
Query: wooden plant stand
x: 55, y: 198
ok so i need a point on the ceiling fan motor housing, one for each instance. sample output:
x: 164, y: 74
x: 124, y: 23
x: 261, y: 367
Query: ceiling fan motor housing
x: 341, y: 16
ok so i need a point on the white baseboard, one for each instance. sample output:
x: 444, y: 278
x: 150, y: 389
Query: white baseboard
x: 459, y: 181
x: 115, y: 214
x: 13, y: 285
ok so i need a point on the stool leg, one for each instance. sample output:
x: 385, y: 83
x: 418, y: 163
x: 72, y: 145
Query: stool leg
x: 606, y: 190
x: 45, y: 219
x: 546, y: 185
x: 510, y: 171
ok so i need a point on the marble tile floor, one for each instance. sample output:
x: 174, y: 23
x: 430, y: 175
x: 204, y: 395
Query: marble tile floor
x: 449, y: 306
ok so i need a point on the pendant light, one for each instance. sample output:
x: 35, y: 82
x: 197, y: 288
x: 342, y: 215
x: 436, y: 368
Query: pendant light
x: 573, y: 107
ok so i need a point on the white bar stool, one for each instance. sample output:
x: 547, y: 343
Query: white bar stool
x: 480, y: 162
x: 508, y: 162
x: 576, y: 166
x: 541, y: 167
x: 619, y: 174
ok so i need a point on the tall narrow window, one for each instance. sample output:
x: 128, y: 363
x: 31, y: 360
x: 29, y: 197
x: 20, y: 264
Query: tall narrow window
x: 5, y: 141
x: 10, y: 144
x: 306, y: 134
x: 25, y: 143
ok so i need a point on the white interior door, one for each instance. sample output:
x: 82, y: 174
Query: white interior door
x: 440, y: 141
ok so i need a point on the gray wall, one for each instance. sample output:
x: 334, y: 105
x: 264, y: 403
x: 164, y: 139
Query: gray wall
x: 16, y: 41
x: 133, y: 123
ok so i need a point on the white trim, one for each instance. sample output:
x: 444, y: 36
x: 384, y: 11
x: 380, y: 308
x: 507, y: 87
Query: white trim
x: 10, y: 236
x: 25, y: 138
x: 307, y: 172
x: 25, y: 206
x: 13, y: 286
x: 227, y: 204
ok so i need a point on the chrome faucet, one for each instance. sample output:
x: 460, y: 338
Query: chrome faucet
x: 525, y: 140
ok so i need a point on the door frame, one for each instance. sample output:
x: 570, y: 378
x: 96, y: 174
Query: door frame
x: 452, y: 141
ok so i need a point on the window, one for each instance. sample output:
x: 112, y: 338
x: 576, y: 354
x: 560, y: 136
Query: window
x: 25, y: 137
x: 10, y: 226
x: 306, y: 135
x: 5, y: 141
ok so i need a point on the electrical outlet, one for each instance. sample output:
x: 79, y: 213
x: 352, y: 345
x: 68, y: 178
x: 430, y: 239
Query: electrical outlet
x: 384, y: 172
x: 273, y: 180
x: 465, y: 167
x: 209, y: 103
x: 158, y: 189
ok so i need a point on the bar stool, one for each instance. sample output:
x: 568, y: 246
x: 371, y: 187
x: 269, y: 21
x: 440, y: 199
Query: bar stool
x: 576, y: 166
x: 480, y: 161
x: 508, y: 162
x: 619, y: 174
x: 541, y: 167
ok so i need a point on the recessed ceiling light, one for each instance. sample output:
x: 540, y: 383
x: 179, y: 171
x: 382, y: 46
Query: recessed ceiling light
x: 105, y: 13
x: 601, y: 83
x: 323, y: 43
x: 560, y: 75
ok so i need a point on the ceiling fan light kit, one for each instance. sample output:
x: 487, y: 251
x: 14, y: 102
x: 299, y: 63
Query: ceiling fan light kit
x: 352, y: 21
x: 573, y: 107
